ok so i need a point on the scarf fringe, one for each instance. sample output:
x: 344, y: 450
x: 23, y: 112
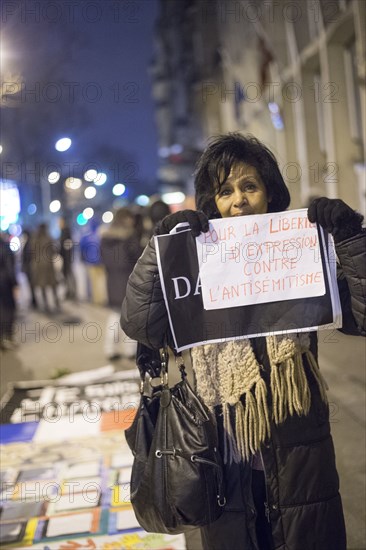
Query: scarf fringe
x: 246, y: 416
x: 290, y: 388
x: 314, y: 367
x: 252, y: 425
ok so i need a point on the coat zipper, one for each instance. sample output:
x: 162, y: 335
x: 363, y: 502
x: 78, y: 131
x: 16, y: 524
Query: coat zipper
x: 266, y: 505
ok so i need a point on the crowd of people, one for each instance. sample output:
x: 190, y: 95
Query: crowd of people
x: 105, y: 255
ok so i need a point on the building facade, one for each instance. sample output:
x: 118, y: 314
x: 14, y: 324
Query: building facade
x: 292, y: 73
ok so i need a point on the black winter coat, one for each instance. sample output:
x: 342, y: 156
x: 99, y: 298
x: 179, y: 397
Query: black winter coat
x: 304, y: 505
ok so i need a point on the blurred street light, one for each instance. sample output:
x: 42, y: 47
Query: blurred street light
x: 90, y: 175
x: 32, y: 209
x: 55, y: 206
x: 175, y: 197
x: 90, y: 192
x: 107, y: 217
x: 80, y: 220
x: 73, y: 183
x: 88, y: 213
x: 63, y: 144
x: 118, y: 189
x: 14, y: 244
x: 142, y: 200
x: 53, y: 177
x: 100, y: 178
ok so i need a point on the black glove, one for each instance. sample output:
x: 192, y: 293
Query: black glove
x: 198, y: 222
x: 148, y: 361
x: 336, y: 217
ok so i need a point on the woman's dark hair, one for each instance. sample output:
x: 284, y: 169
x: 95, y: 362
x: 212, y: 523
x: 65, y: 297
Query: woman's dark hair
x: 213, y: 169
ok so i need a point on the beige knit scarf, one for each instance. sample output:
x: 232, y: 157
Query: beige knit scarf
x: 228, y: 374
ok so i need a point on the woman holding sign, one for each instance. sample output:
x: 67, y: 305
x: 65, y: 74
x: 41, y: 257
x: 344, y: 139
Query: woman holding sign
x: 267, y: 392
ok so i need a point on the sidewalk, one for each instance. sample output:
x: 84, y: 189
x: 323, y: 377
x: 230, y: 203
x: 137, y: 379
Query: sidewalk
x: 73, y: 340
x: 343, y: 364
x: 70, y: 341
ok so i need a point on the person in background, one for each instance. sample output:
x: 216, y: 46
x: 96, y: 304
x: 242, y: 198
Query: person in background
x: 153, y: 214
x: 282, y: 486
x: 26, y: 265
x: 120, y: 250
x: 90, y: 257
x: 8, y: 289
x: 67, y: 255
x: 43, y: 273
x: 138, y: 213
x: 157, y: 211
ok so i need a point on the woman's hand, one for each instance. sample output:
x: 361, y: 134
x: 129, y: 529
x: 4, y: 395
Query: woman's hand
x: 198, y: 222
x: 336, y: 217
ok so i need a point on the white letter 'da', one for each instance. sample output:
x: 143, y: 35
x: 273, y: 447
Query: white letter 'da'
x: 176, y: 287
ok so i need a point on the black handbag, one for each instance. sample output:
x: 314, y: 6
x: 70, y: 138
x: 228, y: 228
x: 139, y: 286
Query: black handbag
x: 177, y: 477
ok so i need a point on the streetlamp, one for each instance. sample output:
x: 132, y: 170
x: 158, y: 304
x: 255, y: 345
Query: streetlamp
x: 63, y: 144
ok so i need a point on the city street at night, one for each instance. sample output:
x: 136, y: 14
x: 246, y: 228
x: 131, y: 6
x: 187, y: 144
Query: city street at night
x: 182, y: 184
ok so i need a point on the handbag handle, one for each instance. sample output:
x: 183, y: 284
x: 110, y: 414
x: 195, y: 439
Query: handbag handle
x: 155, y: 364
x: 164, y: 355
x: 164, y: 359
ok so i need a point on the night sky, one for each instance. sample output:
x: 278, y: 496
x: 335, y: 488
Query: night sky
x: 104, y: 49
x: 118, y: 62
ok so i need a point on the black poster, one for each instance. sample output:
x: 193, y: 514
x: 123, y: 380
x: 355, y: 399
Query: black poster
x: 192, y: 325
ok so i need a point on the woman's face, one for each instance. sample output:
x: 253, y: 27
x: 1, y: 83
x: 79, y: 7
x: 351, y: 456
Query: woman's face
x: 243, y: 193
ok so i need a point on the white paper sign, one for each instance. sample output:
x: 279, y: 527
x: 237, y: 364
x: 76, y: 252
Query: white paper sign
x: 257, y: 259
